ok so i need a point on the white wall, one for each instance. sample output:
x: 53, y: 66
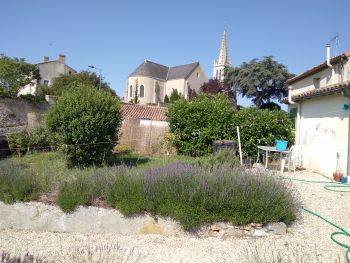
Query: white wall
x: 322, y: 132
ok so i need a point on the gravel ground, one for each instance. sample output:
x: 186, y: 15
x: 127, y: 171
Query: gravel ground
x: 307, y: 240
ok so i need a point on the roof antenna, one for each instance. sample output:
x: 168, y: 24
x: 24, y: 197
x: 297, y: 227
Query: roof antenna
x: 335, y: 40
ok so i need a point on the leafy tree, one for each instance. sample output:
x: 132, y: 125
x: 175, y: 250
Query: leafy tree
x: 166, y: 99
x: 174, y: 96
x: 262, y: 127
x: 15, y: 73
x: 214, y: 86
x: 197, y: 123
x: 261, y: 80
x: 135, y: 100
x: 83, y: 78
x: 87, y: 122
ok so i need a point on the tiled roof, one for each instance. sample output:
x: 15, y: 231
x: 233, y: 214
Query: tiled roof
x: 330, y: 89
x: 134, y: 111
x: 182, y: 71
x: 151, y: 69
x: 318, y: 68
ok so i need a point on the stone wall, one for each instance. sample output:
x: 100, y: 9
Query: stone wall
x: 144, y: 136
x: 17, y: 115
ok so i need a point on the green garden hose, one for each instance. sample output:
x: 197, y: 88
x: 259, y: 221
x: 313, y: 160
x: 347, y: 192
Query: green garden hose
x: 329, y: 187
x: 334, y: 234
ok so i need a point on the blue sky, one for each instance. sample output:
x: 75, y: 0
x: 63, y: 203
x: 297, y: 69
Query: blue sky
x: 117, y: 36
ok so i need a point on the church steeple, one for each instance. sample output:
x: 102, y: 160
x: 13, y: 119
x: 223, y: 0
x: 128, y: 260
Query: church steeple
x: 222, y: 61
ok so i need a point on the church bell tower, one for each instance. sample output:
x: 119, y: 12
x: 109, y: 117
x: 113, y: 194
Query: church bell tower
x: 222, y: 61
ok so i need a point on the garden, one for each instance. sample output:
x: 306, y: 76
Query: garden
x: 194, y: 187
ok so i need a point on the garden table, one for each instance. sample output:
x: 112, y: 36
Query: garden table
x: 272, y: 149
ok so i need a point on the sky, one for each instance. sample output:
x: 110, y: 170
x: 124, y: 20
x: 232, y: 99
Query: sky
x: 117, y: 36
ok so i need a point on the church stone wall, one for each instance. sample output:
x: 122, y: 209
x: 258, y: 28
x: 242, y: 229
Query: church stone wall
x: 154, y: 90
x: 194, y: 82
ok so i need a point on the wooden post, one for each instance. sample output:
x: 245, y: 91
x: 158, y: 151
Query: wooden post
x: 239, y: 145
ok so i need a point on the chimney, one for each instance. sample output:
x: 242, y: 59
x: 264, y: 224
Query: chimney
x: 62, y: 58
x: 328, y: 47
x: 46, y: 59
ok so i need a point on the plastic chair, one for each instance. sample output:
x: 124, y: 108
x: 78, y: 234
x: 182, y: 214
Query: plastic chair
x: 290, y: 157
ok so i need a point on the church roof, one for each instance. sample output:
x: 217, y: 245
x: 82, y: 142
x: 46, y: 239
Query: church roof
x: 154, y: 70
x: 151, y: 69
x: 182, y: 71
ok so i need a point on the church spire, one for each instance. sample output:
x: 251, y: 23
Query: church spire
x: 222, y: 61
x: 223, y: 56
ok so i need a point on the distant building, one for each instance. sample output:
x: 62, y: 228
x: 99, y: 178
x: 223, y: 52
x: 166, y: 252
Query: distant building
x: 49, y: 70
x: 153, y: 81
x: 223, y: 60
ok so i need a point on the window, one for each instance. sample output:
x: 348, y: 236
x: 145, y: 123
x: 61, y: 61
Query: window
x: 46, y: 82
x: 197, y: 75
x: 130, y: 91
x: 316, y: 83
x: 142, y: 91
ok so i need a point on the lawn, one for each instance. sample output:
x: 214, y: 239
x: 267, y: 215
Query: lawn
x: 194, y: 191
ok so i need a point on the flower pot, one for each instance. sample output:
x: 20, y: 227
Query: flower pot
x: 337, y: 176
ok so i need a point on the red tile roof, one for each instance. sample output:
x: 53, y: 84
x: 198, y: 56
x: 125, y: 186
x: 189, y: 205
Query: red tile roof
x: 318, y: 68
x: 134, y: 111
x: 330, y: 89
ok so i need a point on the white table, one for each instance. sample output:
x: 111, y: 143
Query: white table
x: 272, y: 149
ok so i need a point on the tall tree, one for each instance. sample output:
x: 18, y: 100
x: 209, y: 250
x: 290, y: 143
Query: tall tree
x: 214, y: 86
x: 65, y: 82
x: 260, y: 80
x: 16, y: 73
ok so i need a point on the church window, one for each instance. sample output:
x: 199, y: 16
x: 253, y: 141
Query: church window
x: 142, y: 91
x: 130, y: 91
x: 197, y: 75
x: 220, y: 74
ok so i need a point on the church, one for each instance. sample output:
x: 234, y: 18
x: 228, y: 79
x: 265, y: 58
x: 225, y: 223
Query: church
x: 153, y: 81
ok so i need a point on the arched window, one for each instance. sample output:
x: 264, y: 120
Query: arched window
x: 197, y: 75
x: 142, y: 91
x: 220, y: 75
x: 130, y: 93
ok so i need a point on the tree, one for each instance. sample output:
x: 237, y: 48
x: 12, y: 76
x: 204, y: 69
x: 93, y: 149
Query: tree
x: 135, y: 100
x: 16, y: 73
x: 197, y: 123
x: 214, y: 86
x: 65, y: 82
x: 261, y: 80
x: 174, y: 96
x: 86, y: 121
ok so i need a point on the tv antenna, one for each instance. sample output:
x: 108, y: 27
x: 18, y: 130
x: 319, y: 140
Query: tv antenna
x: 335, y: 41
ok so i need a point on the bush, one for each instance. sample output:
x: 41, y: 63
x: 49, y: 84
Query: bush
x: 262, y: 127
x: 197, y: 123
x: 37, y: 139
x: 226, y: 157
x: 87, y: 121
x: 18, y: 184
x: 86, y: 189
x: 194, y: 195
x: 121, y: 149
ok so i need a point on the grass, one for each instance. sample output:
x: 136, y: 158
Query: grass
x: 193, y: 191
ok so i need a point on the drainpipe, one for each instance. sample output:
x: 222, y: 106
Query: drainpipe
x: 328, y: 47
x: 346, y: 94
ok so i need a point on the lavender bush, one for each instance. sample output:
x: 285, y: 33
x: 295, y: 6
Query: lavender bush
x: 195, y: 195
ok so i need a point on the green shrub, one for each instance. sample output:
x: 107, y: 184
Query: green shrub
x: 37, y: 139
x: 262, y: 127
x: 18, y: 142
x: 17, y: 183
x: 223, y: 157
x: 197, y: 123
x: 121, y: 149
x: 87, y: 121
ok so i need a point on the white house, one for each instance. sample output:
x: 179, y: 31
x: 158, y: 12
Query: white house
x: 319, y: 102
